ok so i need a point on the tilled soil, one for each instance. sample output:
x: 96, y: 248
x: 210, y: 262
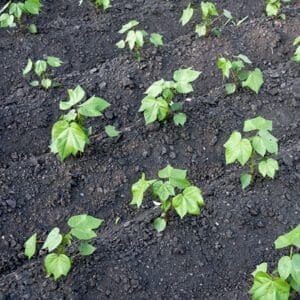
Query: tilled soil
x: 205, y: 257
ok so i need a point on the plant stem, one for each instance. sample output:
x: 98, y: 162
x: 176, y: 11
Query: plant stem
x: 291, y: 252
x: 252, y: 165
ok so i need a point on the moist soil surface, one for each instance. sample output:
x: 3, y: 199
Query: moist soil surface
x: 206, y: 257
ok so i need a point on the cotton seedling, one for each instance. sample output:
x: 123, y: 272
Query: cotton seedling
x: 104, y: 4
x: 238, y: 72
x: 58, y: 261
x: 254, y: 150
x: 172, y: 191
x: 135, y: 39
x: 285, y: 279
x: 159, y: 102
x: 296, y: 56
x: 69, y: 135
x: 39, y: 69
x: 210, y: 16
x: 11, y: 14
x: 273, y: 8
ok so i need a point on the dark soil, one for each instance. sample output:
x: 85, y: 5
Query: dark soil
x: 205, y: 257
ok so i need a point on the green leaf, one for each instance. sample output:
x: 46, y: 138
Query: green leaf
x: 187, y: 14
x: 227, y: 14
x: 184, y: 87
x: 295, y: 270
x: 75, y: 96
x: 208, y: 9
x: 34, y: 83
x: 258, y: 123
x: 7, y: 20
x: 128, y: 26
x: 156, y: 39
x: 121, y: 44
x: 53, y: 240
x: 86, y: 249
x: 179, y: 119
x: 139, y: 39
x: 83, y: 233
x: 111, y: 131
x: 245, y: 180
x: 254, y: 81
x: 225, y: 66
x: 32, y: 28
x: 270, y: 141
x: 230, y: 88
x: 156, y: 88
x: 292, y: 238
x: 93, y: 107
x: 54, y: 62
x: 201, y: 30
x: 272, y: 8
x: 245, y: 59
x: 46, y: 83
x: 284, y: 267
x: 259, y: 145
x: 138, y: 189
x: 188, y: 202
x: 16, y: 9
x: 267, y: 288
x: 177, y: 177
x: 85, y: 221
x: 40, y: 67
x: 268, y: 167
x: 163, y: 190
x: 28, y: 67
x: 68, y: 139
x: 57, y: 265
x: 30, y: 246
x: 263, y: 267
x: 186, y: 75
x: 159, y: 224
x: 32, y: 6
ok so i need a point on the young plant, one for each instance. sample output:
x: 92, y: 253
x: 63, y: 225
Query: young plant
x: 69, y: 134
x: 238, y: 72
x: 39, y: 69
x: 159, y: 102
x: 273, y: 8
x: 58, y: 261
x: 286, y: 277
x: 210, y: 15
x: 11, y: 14
x: 136, y: 38
x: 253, y: 150
x: 173, y: 191
x: 296, y: 56
x: 105, y: 4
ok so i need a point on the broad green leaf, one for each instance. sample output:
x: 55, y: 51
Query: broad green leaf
x: 176, y: 106
x: 93, y: 107
x: 70, y: 116
x: 54, y: 62
x: 237, y: 66
x: 32, y: 28
x: 230, y: 88
x: 294, y: 284
x: 28, y: 67
x: 75, y: 96
x: 86, y: 249
x: 187, y: 14
x: 225, y: 66
x: 267, y: 288
x: 83, y: 233
x: 245, y: 180
x: 201, y: 30
x: 179, y: 119
x: 138, y: 189
x: 53, y: 239
x: 121, y: 44
x: 163, y: 190
x: 292, y: 238
x: 295, y: 270
x: 177, y: 177
x: 156, y: 88
x: 32, y: 6
x: 245, y: 59
x: 30, y: 246
x: 128, y: 26
x: 184, y: 87
x: 16, y: 9
x: 259, y: 145
x: 156, y: 39
x: 186, y: 75
x: 272, y: 8
x: 139, y: 39
x: 208, y: 9
x: 131, y: 39
x: 258, y: 123
x: 68, y: 139
x: 296, y: 41
x: 57, y: 265
x: 254, y: 81
x: 46, y: 83
x: 269, y: 140
x: 104, y: 3
x: 159, y: 224
x: 85, y: 221
x: 40, y: 67
x: 268, y: 167
x: 7, y: 20
x: 284, y: 267
x: 263, y: 267
x: 111, y: 131
x: 34, y: 83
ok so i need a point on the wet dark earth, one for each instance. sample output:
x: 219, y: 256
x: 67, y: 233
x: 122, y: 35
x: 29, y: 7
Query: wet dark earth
x: 206, y: 257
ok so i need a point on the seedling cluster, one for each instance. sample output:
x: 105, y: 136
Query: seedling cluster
x: 253, y: 150
x: 238, y: 72
x: 159, y: 102
x: 39, y: 69
x: 286, y: 277
x: 58, y: 262
x: 135, y: 39
x: 104, y: 4
x: 173, y: 191
x: 273, y: 8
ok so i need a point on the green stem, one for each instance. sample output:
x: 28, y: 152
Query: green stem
x: 291, y: 252
x: 252, y: 165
